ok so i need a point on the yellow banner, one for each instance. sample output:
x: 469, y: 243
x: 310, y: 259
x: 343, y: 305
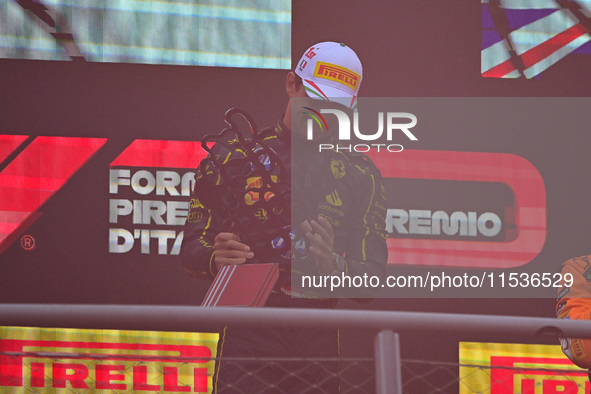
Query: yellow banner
x: 501, y: 368
x: 54, y: 360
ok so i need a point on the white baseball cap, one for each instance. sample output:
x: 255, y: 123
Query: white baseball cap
x: 331, y: 71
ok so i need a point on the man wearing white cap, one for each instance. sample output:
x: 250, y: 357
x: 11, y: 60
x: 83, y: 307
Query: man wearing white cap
x: 338, y: 203
x: 331, y: 72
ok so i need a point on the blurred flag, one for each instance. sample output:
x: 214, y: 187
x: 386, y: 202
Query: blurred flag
x: 522, y: 38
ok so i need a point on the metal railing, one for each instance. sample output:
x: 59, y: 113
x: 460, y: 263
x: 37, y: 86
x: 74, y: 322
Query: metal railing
x: 388, y: 377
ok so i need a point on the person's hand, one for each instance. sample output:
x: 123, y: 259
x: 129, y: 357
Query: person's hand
x: 321, y: 238
x: 229, y: 250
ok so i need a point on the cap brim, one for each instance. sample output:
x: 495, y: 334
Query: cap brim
x: 329, y: 93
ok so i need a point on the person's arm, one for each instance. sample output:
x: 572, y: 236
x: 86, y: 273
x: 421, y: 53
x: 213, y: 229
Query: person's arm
x: 574, y: 302
x: 367, y: 252
x: 207, y: 242
x: 574, y: 295
x: 197, y: 250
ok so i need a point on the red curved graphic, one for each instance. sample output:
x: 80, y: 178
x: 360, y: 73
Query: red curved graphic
x: 516, y: 172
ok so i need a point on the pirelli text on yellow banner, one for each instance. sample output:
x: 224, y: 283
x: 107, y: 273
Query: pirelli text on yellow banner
x: 506, y: 368
x: 80, y: 361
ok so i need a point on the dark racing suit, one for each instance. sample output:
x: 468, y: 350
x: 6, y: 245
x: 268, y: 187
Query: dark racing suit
x: 346, y: 189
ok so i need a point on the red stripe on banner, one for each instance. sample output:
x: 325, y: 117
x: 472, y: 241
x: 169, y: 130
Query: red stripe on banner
x: 520, y: 175
x: 8, y: 143
x: 197, y: 353
x: 550, y: 46
x: 499, y: 71
x: 166, y: 154
x: 9, y: 221
x: 35, y: 175
x: 30, y: 198
x: 539, y: 52
x: 514, y: 170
